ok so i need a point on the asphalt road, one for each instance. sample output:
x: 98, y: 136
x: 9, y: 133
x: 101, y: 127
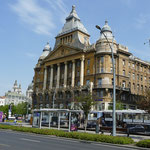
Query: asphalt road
x: 12, y: 140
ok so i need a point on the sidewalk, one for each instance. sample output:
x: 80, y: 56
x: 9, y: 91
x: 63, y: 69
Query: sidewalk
x: 136, y: 138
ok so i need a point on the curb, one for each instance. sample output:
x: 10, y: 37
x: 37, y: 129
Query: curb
x: 88, y: 142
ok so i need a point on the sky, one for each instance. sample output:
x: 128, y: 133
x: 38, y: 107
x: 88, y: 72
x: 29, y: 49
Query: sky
x: 27, y: 25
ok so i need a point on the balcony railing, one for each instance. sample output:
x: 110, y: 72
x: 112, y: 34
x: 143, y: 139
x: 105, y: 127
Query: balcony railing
x: 110, y: 86
x: 103, y: 86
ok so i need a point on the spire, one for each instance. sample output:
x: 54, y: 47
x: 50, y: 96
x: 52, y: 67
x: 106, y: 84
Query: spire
x: 73, y: 23
x: 46, y: 51
x: 73, y: 14
x: 47, y: 47
x: 107, y: 31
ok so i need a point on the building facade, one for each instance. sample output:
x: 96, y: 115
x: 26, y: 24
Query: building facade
x: 75, y: 65
x: 2, y: 100
x: 15, y: 96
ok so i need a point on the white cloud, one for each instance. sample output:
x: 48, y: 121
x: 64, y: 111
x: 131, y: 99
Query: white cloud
x: 59, y: 7
x: 129, y: 3
x: 31, y: 55
x: 39, y: 18
x: 141, y: 20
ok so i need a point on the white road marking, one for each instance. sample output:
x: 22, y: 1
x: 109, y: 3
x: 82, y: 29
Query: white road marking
x: 30, y: 140
x: 4, y: 145
x: 113, y: 146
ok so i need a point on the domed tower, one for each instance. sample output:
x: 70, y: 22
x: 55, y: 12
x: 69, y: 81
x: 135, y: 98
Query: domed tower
x: 73, y: 32
x: 102, y: 44
x: 15, y: 87
x: 46, y: 51
x: 104, y: 67
x: 19, y: 89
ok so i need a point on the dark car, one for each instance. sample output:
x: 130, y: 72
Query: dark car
x: 137, y: 128
x: 91, y: 124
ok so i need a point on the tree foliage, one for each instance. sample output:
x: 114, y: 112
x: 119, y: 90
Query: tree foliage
x: 4, y: 109
x: 144, y: 103
x: 20, y: 109
x: 85, y: 103
x: 119, y: 106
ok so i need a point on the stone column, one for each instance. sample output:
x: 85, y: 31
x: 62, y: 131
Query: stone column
x: 51, y: 78
x: 82, y: 71
x: 65, y: 75
x: 58, y: 75
x: 73, y: 73
x: 45, y: 78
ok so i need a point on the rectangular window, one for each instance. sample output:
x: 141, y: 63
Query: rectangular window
x: 124, y: 84
x: 88, y: 62
x: 129, y: 64
x: 78, y: 73
x: 101, y: 93
x: 102, y: 59
x: 134, y: 86
x: 124, y: 72
x: 129, y: 84
x: 88, y: 72
x: 78, y: 83
x: 141, y: 87
x: 123, y: 62
x: 133, y: 76
x: 87, y: 82
x: 129, y: 75
x: 141, y: 68
x: 111, y: 69
x: 137, y: 76
x: 138, y: 87
x: 141, y: 78
x: 78, y: 63
x: 70, y: 65
x: 99, y: 81
x: 133, y: 65
x: 102, y: 69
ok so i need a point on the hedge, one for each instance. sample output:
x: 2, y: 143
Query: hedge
x: 74, y: 135
x: 143, y: 143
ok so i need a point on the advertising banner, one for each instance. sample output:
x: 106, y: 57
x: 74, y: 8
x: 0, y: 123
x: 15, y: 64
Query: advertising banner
x: 1, y: 116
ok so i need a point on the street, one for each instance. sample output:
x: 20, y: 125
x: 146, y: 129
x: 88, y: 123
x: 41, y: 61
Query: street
x: 11, y: 140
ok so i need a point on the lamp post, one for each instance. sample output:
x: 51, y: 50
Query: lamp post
x: 54, y: 99
x: 114, y: 82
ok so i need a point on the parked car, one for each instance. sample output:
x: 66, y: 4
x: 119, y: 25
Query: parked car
x: 137, y: 128
x: 91, y: 124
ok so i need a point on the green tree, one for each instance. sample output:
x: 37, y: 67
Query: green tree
x: 144, y: 102
x: 4, y: 109
x: 119, y: 106
x: 21, y: 108
x: 85, y: 103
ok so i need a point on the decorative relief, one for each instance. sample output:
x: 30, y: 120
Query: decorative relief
x: 61, y: 52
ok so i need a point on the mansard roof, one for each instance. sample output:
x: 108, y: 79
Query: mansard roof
x: 72, y: 23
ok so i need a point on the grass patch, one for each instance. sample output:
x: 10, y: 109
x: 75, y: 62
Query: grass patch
x: 143, y: 143
x: 74, y: 135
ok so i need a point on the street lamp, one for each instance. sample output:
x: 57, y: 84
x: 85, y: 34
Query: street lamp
x: 54, y: 99
x: 114, y: 81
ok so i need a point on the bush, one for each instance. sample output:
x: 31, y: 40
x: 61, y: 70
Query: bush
x: 75, y: 135
x: 144, y: 143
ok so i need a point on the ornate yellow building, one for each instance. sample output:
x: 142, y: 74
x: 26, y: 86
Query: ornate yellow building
x: 74, y: 65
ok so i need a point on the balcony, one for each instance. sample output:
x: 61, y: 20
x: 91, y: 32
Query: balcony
x: 110, y: 86
x: 124, y: 88
x: 103, y: 86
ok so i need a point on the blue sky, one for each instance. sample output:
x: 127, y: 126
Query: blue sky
x: 27, y: 25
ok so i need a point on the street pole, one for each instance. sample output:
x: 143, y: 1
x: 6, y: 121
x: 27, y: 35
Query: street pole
x: 114, y: 81
x: 54, y: 100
